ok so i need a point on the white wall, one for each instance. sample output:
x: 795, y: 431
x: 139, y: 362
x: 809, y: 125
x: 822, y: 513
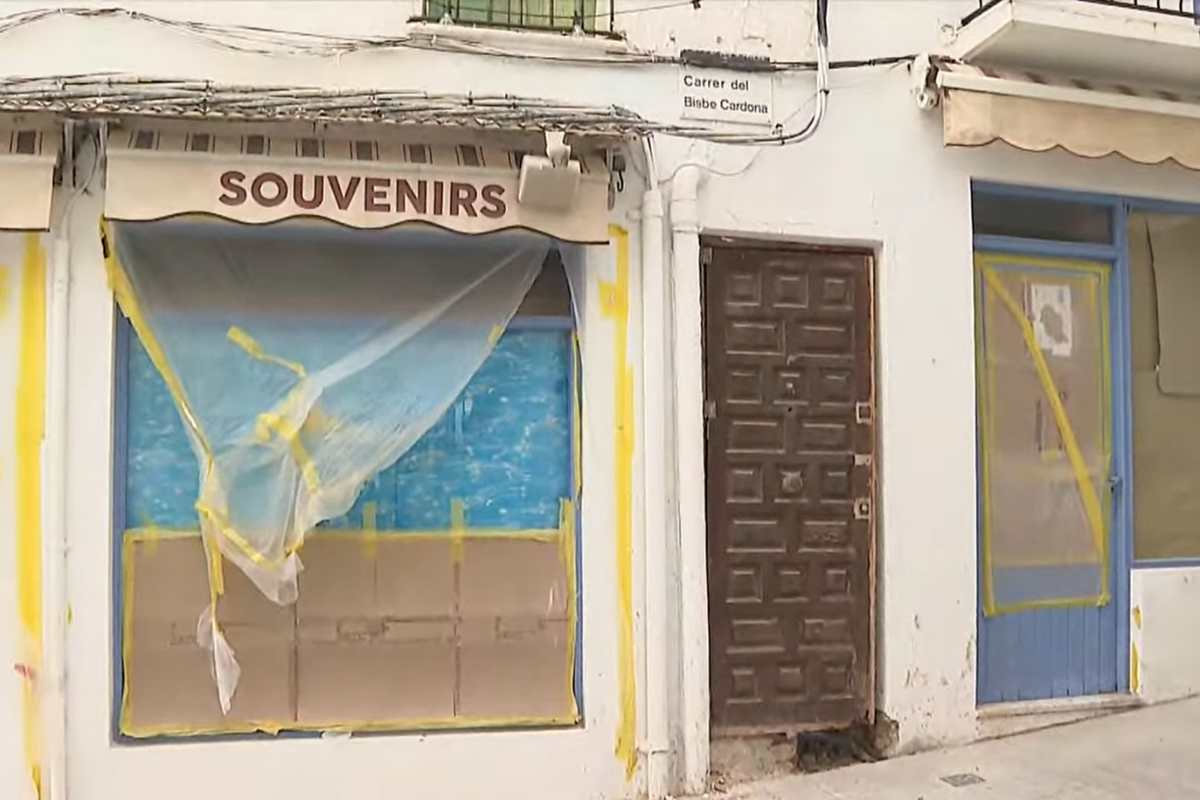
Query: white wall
x: 875, y: 174
x: 1163, y: 605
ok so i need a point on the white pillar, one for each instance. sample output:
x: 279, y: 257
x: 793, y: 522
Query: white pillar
x: 657, y: 523
x: 687, y: 342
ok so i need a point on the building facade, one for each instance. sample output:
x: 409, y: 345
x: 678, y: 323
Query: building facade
x: 744, y: 407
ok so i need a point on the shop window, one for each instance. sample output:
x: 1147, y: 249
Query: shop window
x: 558, y: 15
x: 1164, y: 293
x: 445, y: 597
x: 1029, y: 217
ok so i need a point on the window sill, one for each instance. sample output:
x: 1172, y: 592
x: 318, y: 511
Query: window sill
x: 1166, y: 563
x: 517, y: 40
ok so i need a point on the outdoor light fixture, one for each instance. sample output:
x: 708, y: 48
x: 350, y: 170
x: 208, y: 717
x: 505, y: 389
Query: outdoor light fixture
x: 551, y: 181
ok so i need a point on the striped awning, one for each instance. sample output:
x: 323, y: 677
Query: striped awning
x: 1038, y: 112
x: 467, y: 186
x: 28, y: 154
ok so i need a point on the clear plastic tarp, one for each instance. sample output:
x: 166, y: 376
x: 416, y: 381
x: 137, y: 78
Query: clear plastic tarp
x: 304, y: 358
x: 1045, y: 450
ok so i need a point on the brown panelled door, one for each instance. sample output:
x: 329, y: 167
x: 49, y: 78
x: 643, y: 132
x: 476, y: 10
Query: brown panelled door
x: 791, y: 442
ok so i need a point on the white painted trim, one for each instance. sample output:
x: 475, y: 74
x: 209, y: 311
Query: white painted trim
x: 974, y: 39
x: 688, y: 355
x: 56, y: 493
x: 1107, y: 20
x: 1059, y: 705
x: 657, y: 522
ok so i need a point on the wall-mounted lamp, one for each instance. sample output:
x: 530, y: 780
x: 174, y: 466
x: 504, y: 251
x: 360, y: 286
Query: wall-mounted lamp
x: 551, y: 181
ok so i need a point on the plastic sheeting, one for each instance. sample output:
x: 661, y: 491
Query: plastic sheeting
x: 303, y: 359
x: 1044, y: 432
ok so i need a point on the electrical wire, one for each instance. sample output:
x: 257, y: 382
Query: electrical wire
x: 108, y: 95
x: 257, y: 40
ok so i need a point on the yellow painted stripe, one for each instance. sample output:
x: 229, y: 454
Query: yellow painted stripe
x: 1135, y: 669
x: 31, y: 405
x: 614, y: 298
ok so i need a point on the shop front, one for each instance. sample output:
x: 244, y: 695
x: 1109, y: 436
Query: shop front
x: 371, y: 461
x: 1085, y: 292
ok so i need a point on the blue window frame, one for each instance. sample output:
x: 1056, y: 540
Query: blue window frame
x: 1116, y: 250
x: 504, y: 451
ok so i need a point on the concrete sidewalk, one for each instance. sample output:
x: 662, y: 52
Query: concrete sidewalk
x: 1148, y: 753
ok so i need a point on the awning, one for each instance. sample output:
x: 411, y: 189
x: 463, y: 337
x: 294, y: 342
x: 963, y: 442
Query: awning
x: 27, y: 158
x: 1088, y: 118
x: 465, y: 186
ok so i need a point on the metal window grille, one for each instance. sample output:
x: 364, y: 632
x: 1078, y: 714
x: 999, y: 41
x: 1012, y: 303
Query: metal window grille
x: 589, y: 16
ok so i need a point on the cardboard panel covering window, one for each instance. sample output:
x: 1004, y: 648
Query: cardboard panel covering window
x: 1045, y: 453
x: 431, y: 478
x: 1164, y: 291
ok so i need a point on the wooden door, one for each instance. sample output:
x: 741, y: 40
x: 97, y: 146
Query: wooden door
x: 790, y: 458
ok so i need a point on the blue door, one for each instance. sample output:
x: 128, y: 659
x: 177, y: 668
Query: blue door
x: 1050, y: 575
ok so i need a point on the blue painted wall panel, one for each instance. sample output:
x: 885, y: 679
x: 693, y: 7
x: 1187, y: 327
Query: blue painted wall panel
x: 162, y: 475
x: 504, y: 448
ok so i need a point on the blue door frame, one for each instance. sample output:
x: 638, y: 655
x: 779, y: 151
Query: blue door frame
x: 1115, y: 253
x: 1048, y: 632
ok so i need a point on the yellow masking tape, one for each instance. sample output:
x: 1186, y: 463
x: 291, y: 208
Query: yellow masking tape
x: 216, y: 571
x: 218, y: 522
x: 566, y: 551
x: 984, y: 400
x: 275, y: 423
x: 1087, y: 491
x: 127, y: 589
x: 576, y: 416
x: 126, y: 298
x: 370, y: 535
x: 364, y: 726
x: 31, y: 405
x: 251, y: 346
x: 1090, y: 500
x: 458, y: 524
x: 386, y: 535
x: 614, y: 298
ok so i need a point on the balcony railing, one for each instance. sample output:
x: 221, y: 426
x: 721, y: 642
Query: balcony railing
x: 561, y: 16
x: 1189, y: 9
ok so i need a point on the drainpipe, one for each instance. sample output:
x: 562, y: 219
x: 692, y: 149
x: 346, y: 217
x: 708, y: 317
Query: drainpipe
x: 689, y: 477
x: 54, y: 548
x: 657, y: 522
